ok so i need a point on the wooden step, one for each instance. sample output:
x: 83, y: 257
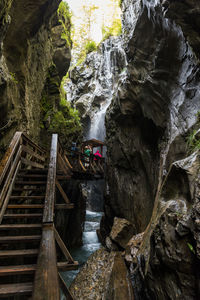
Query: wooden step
x: 32, y: 176
x: 17, y: 253
x: 9, y: 290
x: 36, y: 206
x: 30, y: 182
x: 34, y: 189
x: 27, y: 197
x: 19, y: 226
x: 15, y: 270
x: 33, y: 171
x: 24, y: 206
x: 7, y: 216
x: 19, y: 238
x: 29, y: 269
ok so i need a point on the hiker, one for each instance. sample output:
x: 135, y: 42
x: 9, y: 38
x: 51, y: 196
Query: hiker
x: 87, y: 153
x: 73, y: 148
x: 97, y: 155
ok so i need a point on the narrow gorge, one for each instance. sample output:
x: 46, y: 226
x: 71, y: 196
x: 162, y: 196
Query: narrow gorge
x: 138, y: 92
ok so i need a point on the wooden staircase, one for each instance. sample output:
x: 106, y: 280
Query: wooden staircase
x: 28, y: 264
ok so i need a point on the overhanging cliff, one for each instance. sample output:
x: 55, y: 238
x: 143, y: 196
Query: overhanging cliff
x: 31, y: 46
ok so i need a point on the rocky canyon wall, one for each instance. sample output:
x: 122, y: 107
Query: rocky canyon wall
x: 152, y: 181
x: 148, y: 124
x: 33, y: 58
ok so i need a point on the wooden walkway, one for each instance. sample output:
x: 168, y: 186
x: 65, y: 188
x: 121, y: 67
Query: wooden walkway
x: 29, y: 268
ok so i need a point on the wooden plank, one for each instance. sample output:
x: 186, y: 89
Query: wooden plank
x: 43, y: 176
x: 10, y: 290
x: 33, y: 188
x: 19, y: 226
x: 33, y: 153
x: 29, y: 269
x: 7, y: 159
x: 19, y: 216
x: 51, y: 182
x: 64, y: 206
x: 65, y: 266
x: 46, y: 285
x: 66, y: 199
x: 30, y: 182
x: 65, y: 289
x: 31, y: 143
x: 5, y: 203
x: 31, y: 163
x: 18, y: 253
x: 10, y: 177
x: 27, y: 197
x: 63, y: 247
x: 82, y: 166
x: 67, y: 161
x: 19, y: 238
x: 34, y: 171
x: 15, y: 270
x: 24, y: 206
x: 62, y: 165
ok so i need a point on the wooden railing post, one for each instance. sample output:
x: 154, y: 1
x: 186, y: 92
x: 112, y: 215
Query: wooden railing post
x: 51, y: 182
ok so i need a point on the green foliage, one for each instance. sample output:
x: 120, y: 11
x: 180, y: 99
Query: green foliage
x: 5, y: 7
x: 90, y: 47
x: 13, y: 77
x: 114, y: 30
x: 61, y: 118
x: 191, y: 248
x: 193, y: 140
x: 64, y: 16
x: 66, y: 121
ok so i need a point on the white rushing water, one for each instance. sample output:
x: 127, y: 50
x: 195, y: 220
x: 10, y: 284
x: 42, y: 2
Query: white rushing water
x: 113, y: 61
x: 90, y: 244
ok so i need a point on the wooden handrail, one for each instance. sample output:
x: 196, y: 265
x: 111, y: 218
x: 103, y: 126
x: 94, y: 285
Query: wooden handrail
x: 8, y: 157
x: 51, y: 182
x: 31, y: 143
x: 46, y: 283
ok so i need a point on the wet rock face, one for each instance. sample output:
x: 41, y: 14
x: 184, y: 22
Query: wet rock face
x: 103, y: 277
x: 122, y: 231
x: 154, y: 108
x: 164, y: 261
x: 29, y: 49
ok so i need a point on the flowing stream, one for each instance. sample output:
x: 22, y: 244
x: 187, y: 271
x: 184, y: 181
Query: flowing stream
x: 90, y: 244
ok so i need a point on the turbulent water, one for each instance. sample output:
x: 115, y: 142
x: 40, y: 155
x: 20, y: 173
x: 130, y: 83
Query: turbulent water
x: 90, y: 244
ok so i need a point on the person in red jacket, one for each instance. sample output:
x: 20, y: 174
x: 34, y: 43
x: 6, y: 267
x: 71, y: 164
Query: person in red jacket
x: 97, y: 155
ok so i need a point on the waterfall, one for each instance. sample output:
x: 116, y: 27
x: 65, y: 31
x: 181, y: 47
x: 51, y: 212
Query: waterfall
x: 112, y: 64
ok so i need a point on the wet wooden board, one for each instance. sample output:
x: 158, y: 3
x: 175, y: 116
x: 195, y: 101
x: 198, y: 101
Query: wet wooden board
x: 18, y: 253
x: 46, y: 284
x: 51, y: 182
x: 33, y: 153
x: 19, y: 238
x: 19, y: 226
x: 15, y: 270
x: 9, y: 290
x: 25, y: 206
x: 31, y: 163
x: 10, y: 216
